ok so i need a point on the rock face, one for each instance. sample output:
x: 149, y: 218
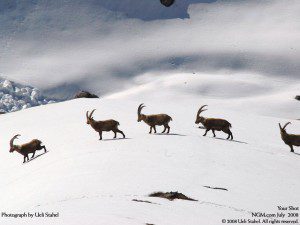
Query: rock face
x: 85, y: 94
x: 297, y: 97
x: 14, y: 97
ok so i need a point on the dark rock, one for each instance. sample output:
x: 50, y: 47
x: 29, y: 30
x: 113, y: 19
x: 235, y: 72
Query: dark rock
x: 297, y: 97
x: 171, y: 196
x: 85, y: 94
x: 167, y: 3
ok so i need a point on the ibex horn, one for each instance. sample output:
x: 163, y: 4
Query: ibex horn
x: 201, y: 109
x: 286, y: 125
x: 141, y: 106
x: 91, y: 114
x: 12, y: 140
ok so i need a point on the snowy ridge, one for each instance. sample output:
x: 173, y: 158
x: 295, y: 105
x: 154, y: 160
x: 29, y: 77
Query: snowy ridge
x: 14, y: 97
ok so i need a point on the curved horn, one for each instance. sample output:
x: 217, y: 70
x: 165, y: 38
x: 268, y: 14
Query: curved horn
x: 286, y: 125
x: 12, y: 140
x: 141, y: 106
x: 201, y: 110
x: 87, y: 114
x: 91, y: 114
x: 279, y: 125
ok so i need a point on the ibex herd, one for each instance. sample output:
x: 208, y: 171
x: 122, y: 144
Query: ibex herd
x: 154, y: 120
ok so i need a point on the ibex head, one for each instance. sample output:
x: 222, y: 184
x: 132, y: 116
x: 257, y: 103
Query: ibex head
x: 282, y: 129
x: 199, y: 118
x: 12, y: 146
x: 140, y: 116
x: 90, y: 118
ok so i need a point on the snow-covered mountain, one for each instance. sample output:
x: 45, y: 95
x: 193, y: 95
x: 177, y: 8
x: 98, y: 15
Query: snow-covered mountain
x: 88, y: 181
x: 101, y: 45
x: 14, y: 97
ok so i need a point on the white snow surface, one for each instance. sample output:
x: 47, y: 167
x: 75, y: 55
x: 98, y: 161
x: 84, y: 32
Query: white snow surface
x: 14, y: 97
x: 93, y: 182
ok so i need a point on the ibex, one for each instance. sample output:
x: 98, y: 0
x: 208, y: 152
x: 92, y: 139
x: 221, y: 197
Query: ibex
x: 289, y: 139
x: 25, y: 149
x: 105, y: 125
x: 213, y: 124
x: 154, y: 120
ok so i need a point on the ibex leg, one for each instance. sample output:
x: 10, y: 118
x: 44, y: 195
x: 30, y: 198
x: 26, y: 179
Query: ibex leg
x: 206, y: 132
x: 100, y: 134
x: 229, y: 134
x: 214, y: 133
x: 168, y: 129
x: 292, y: 149
x: 25, y: 157
x: 44, y: 147
x: 121, y: 132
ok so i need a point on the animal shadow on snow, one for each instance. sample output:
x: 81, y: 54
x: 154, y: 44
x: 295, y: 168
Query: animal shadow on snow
x: 170, y: 134
x: 115, y: 139
x: 36, y: 157
x: 224, y: 139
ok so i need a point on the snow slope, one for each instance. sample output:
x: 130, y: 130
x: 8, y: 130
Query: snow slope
x: 93, y: 182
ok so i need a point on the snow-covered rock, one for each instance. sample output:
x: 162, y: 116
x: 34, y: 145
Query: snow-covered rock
x: 7, y: 85
x: 14, y: 97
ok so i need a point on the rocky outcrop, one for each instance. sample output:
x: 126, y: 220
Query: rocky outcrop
x: 14, y: 96
x: 85, y: 94
x: 171, y: 196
